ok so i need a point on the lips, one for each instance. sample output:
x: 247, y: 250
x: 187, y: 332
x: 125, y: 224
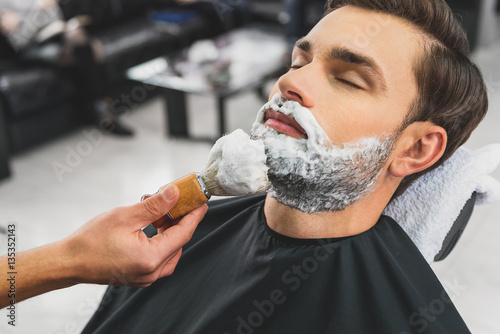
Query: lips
x: 284, y: 124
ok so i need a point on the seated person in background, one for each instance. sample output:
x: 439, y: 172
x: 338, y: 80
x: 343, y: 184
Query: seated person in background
x: 384, y: 91
x: 36, y: 32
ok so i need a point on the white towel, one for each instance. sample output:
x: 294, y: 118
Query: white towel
x: 430, y: 206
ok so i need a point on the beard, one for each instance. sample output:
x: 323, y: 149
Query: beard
x: 313, y: 175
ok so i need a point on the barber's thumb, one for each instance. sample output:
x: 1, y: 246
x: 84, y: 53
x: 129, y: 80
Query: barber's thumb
x: 160, y: 204
x: 170, y: 193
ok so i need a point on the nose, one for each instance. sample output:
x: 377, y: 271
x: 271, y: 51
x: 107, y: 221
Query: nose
x: 297, y: 85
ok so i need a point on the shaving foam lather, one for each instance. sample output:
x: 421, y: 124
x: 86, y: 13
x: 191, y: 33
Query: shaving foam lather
x: 236, y: 167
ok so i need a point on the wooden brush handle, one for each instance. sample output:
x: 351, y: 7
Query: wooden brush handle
x: 191, y: 196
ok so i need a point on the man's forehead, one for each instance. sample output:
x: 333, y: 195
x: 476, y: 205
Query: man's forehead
x: 365, y: 29
x: 389, y: 41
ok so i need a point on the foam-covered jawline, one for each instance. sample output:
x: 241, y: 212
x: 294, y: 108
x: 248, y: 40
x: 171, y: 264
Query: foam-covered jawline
x: 312, y: 174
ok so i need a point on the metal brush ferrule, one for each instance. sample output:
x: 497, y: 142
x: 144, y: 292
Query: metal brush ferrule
x: 203, y: 186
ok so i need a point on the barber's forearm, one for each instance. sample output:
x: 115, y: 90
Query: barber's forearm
x: 36, y: 271
x: 91, y: 256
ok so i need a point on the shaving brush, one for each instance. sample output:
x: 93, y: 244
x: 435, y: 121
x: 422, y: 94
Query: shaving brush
x: 236, y: 167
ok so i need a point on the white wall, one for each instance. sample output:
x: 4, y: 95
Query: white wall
x: 489, y: 24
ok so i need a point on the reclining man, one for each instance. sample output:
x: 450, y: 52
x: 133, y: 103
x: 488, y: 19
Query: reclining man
x: 394, y: 91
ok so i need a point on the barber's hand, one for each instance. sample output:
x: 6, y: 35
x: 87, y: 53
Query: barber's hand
x: 113, y: 249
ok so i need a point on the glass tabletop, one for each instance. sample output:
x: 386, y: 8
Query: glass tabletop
x: 224, y: 65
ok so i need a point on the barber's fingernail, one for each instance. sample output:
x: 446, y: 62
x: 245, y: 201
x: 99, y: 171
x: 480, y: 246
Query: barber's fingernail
x: 170, y: 192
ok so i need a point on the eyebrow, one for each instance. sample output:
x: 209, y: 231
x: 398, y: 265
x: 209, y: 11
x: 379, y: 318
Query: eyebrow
x: 350, y: 57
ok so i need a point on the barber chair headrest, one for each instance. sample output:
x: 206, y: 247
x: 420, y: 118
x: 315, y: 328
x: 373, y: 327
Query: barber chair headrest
x: 435, y: 209
x: 457, y: 229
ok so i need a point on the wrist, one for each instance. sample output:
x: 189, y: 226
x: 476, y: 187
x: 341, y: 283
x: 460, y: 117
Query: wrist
x: 41, y: 270
x: 72, y: 260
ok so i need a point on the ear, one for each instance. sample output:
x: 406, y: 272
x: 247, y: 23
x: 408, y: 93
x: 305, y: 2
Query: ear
x: 420, y: 146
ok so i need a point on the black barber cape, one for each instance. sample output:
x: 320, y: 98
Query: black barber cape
x: 237, y: 276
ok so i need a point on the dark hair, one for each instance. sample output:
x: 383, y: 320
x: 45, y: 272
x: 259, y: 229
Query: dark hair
x: 451, y: 90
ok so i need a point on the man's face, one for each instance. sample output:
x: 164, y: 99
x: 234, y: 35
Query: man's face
x: 331, y: 124
x: 353, y: 71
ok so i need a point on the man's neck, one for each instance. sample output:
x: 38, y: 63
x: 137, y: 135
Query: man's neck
x: 354, y: 220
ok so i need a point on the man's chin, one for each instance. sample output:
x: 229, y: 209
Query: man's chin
x: 315, y: 179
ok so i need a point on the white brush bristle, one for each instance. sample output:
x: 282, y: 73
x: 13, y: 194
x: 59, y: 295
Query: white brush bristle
x: 236, y: 166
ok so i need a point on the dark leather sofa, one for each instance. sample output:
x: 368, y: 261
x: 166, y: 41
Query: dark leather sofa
x: 37, y: 102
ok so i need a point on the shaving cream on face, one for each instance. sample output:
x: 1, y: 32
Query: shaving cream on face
x: 313, y: 175
x: 238, y: 165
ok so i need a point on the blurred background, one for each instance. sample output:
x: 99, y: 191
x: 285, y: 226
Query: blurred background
x: 102, y: 101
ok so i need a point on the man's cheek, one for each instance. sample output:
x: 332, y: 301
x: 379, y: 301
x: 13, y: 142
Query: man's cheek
x: 274, y: 91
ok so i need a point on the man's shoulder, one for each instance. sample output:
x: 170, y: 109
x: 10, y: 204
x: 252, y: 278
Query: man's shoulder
x: 219, y: 212
x: 396, y: 242
x: 224, y: 211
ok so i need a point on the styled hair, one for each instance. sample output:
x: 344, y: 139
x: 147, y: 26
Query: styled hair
x: 451, y: 92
